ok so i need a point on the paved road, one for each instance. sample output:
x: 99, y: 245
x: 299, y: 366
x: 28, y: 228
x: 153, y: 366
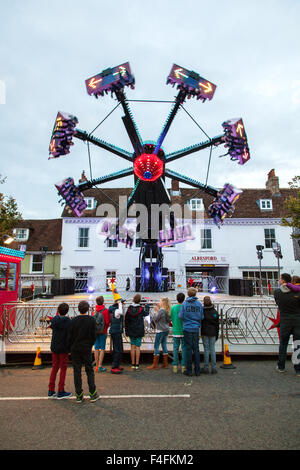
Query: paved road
x: 251, y: 407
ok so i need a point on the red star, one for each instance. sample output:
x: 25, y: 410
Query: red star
x: 276, y: 323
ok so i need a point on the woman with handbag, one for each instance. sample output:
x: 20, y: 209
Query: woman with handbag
x: 161, y: 319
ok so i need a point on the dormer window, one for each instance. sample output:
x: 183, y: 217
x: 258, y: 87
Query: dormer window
x: 196, y: 204
x: 21, y: 234
x: 90, y: 201
x: 265, y: 204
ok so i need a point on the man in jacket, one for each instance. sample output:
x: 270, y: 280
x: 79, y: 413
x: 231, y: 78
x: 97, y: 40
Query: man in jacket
x: 134, y: 328
x: 289, y: 308
x: 192, y: 314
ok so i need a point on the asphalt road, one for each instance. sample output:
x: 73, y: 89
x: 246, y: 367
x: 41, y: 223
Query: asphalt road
x: 251, y: 407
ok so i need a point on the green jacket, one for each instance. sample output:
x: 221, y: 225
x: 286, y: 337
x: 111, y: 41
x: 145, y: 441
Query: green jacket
x: 176, y: 322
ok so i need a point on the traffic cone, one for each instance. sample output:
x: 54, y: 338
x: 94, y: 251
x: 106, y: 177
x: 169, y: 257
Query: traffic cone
x: 227, y: 364
x: 38, y: 360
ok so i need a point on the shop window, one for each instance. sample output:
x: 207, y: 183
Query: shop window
x: 12, y: 276
x: 3, y: 276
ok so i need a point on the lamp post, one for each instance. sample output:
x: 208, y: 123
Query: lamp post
x: 277, y: 252
x: 259, y: 251
x: 7, y: 239
x: 44, y: 250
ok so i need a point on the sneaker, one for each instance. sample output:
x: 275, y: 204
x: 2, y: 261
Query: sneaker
x: 132, y: 366
x: 189, y: 374
x: 137, y: 366
x: 214, y: 371
x: 175, y: 369
x: 94, y: 396
x: 280, y: 370
x: 51, y: 394
x: 116, y: 370
x: 79, y: 398
x: 63, y: 394
x: 101, y: 369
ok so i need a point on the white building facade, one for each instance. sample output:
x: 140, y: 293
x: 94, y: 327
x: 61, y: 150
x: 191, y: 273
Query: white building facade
x: 214, y: 256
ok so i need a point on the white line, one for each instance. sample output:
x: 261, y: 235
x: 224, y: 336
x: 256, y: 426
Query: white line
x: 101, y: 396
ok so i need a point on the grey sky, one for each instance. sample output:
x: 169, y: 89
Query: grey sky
x: 250, y: 50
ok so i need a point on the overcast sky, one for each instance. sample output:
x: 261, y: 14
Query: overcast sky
x: 48, y: 48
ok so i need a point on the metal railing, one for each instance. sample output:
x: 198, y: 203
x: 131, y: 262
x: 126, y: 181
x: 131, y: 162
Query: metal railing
x: 240, y: 323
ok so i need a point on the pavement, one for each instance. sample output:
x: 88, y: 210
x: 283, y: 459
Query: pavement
x: 252, y: 407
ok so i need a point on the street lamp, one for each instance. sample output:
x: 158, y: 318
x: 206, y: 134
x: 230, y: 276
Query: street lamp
x: 259, y: 251
x: 7, y: 239
x: 277, y: 252
x: 44, y: 250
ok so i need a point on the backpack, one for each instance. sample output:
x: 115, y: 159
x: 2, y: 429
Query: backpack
x: 100, y: 324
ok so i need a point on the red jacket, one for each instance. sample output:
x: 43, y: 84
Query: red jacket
x: 106, y: 316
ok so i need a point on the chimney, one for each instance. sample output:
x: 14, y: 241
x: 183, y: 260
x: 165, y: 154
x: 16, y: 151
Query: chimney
x: 175, y: 191
x: 272, y: 184
x: 83, y: 177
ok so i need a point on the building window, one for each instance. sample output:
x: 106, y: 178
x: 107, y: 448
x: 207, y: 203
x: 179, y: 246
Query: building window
x: 269, y: 237
x: 21, y: 234
x: 269, y: 279
x: 265, y: 204
x: 37, y: 264
x: 90, y: 202
x: 206, y: 241
x: 83, y: 237
x: 196, y: 204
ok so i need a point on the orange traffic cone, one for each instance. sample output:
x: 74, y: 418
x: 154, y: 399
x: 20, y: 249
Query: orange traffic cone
x: 38, y: 360
x: 227, y: 364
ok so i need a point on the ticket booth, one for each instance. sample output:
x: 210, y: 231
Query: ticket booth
x: 10, y: 266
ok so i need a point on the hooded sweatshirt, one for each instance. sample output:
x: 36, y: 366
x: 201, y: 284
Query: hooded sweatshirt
x: 210, y: 323
x: 288, y: 303
x: 60, y: 328
x: 192, y: 314
x: 106, y: 316
x: 134, y: 321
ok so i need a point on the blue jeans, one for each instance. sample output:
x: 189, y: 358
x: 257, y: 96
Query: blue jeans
x: 161, y: 338
x: 176, y: 344
x: 209, y: 348
x: 191, y: 340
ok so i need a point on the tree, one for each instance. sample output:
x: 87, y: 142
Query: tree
x: 9, y: 214
x: 292, y: 207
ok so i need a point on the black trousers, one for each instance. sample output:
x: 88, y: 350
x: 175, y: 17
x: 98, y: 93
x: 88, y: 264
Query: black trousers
x: 117, y: 349
x: 85, y: 359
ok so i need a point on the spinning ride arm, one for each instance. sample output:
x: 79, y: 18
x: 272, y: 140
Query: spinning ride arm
x: 195, y: 148
x: 105, y: 179
x: 83, y: 135
x: 185, y: 179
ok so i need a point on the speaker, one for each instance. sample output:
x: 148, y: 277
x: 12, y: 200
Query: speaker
x: 241, y: 287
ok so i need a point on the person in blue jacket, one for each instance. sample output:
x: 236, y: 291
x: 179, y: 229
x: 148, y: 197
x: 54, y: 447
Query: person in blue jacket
x: 191, y: 314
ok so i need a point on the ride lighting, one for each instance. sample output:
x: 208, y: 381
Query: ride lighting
x: 148, y: 167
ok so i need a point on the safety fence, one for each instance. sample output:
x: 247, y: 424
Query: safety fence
x: 245, y: 323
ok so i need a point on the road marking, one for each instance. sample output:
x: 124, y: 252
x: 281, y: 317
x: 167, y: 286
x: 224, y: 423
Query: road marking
x: 104, y: 397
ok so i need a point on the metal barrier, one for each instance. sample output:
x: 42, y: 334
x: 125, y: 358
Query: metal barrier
x: 240, y: 323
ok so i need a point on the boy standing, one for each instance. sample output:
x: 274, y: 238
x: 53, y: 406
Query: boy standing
x: 60, y: 353
x: 192, y: 314
x: 178, y: 334
x: 116, y: 329
x: 209, y: 333
x: 82, y: 336
x: 101, y: 337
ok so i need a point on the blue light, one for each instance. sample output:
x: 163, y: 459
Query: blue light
x: 91, y: 289
x: 213, y: 290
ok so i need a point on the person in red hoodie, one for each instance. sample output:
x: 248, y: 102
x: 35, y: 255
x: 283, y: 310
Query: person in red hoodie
x: 101, y: 338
